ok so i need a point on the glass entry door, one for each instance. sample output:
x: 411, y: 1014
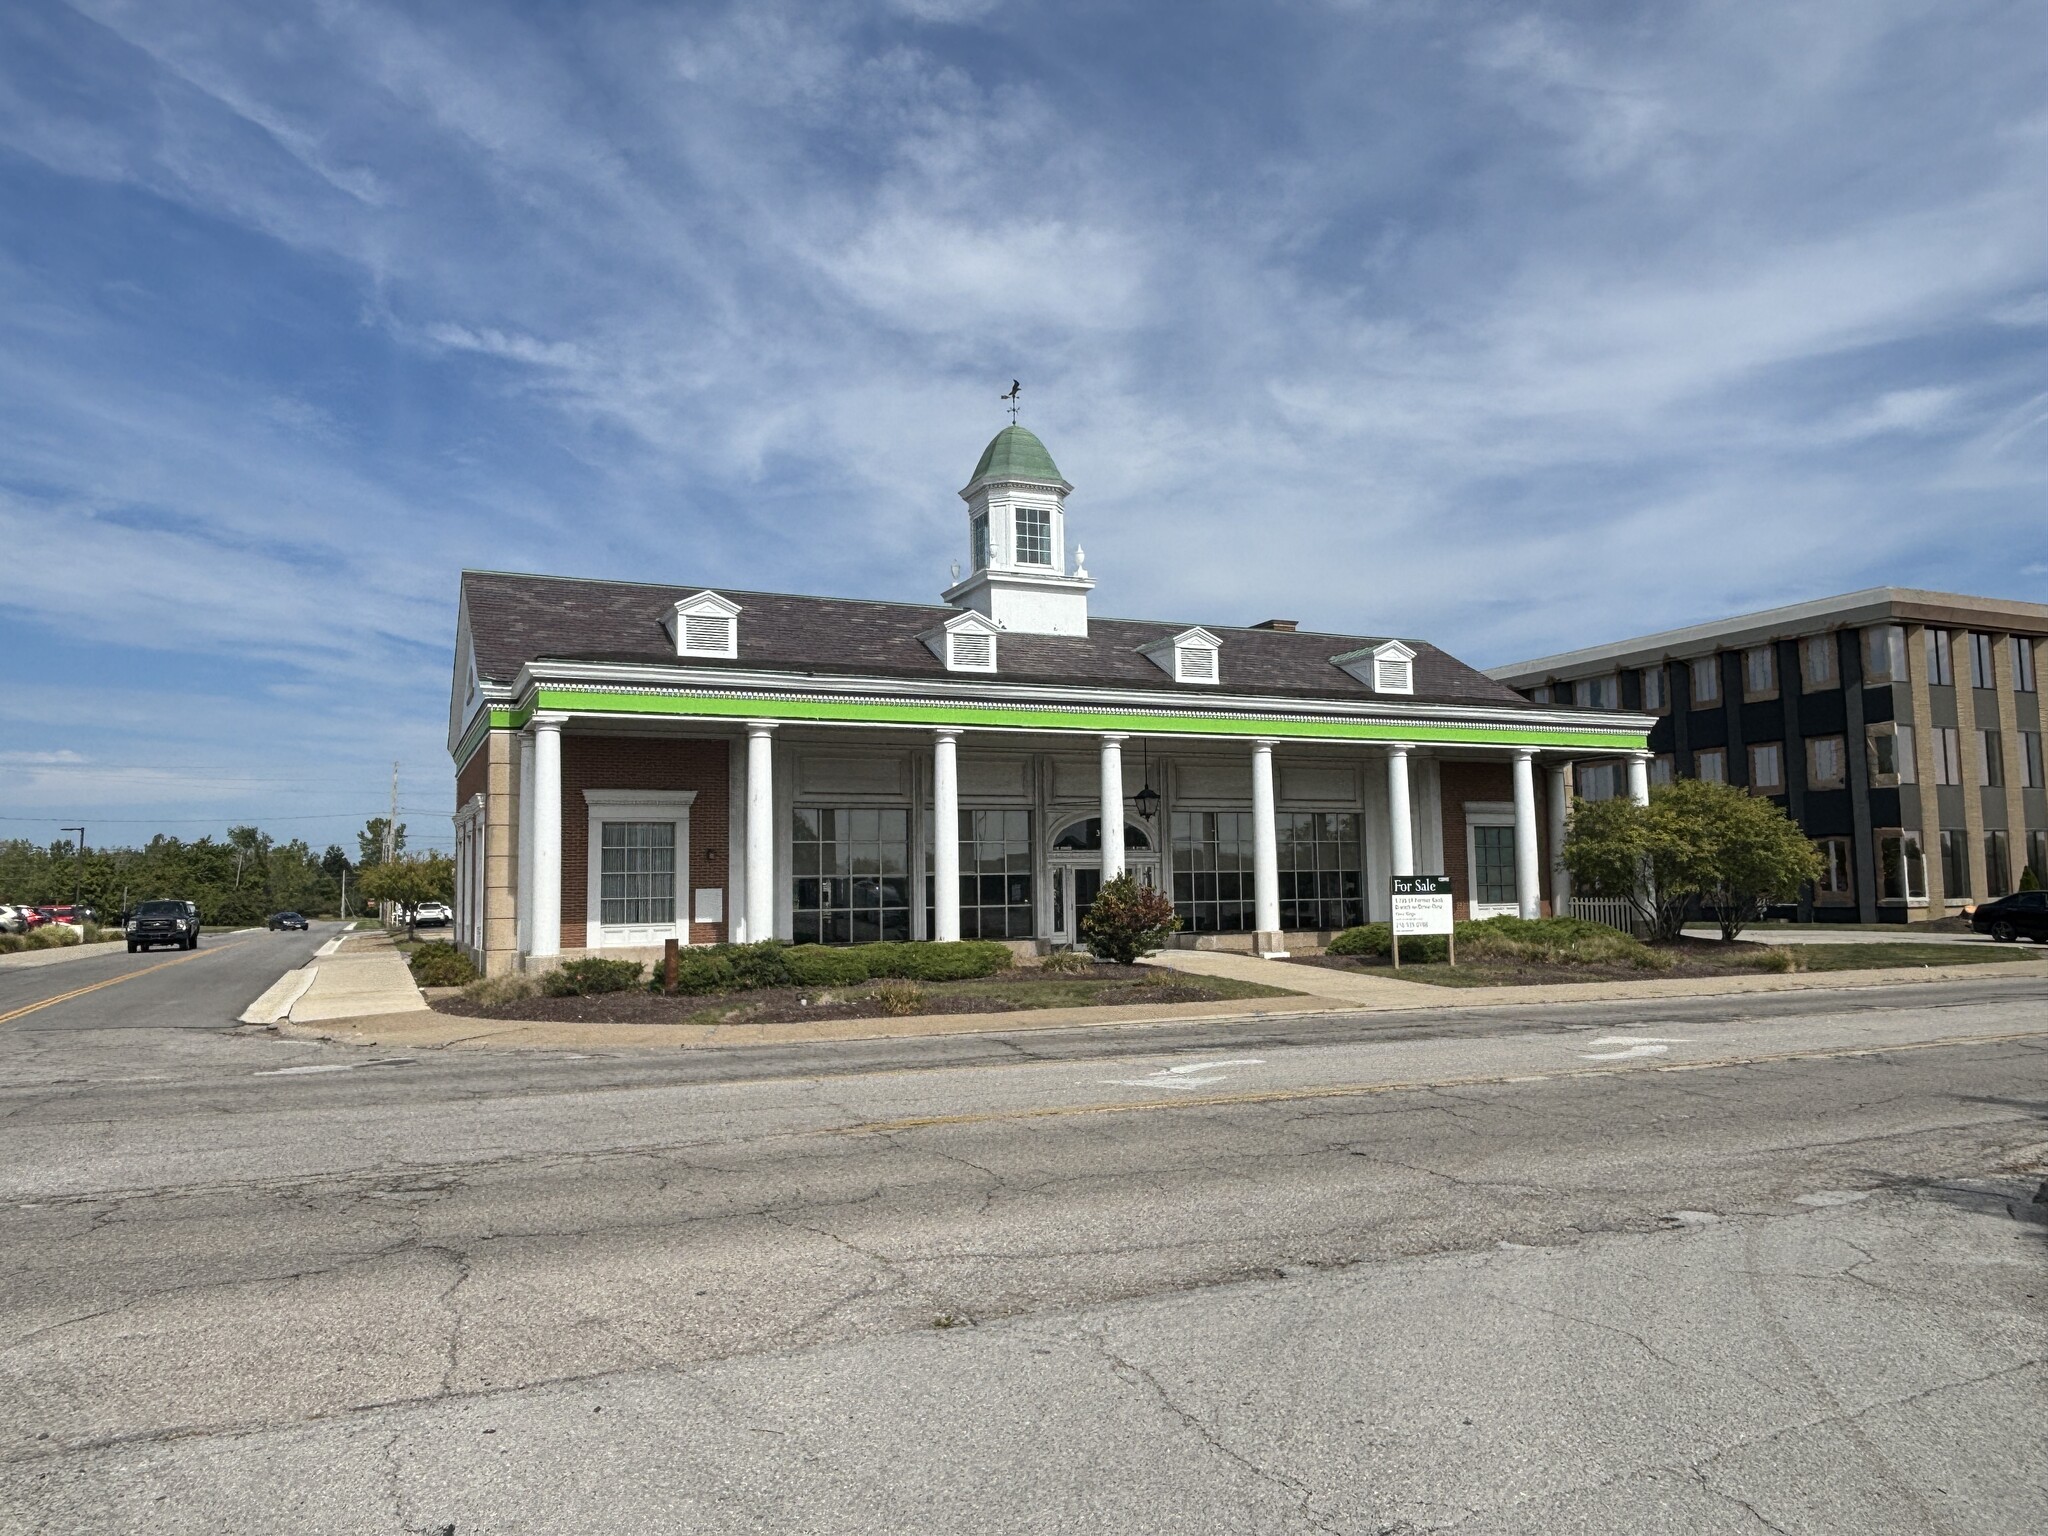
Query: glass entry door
x: 1073, y: 892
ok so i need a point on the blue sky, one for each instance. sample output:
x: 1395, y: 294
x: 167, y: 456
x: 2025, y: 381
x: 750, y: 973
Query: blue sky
x: 1516, y: 327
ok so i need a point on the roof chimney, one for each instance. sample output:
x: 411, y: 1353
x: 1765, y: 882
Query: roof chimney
x: 1284, y: 626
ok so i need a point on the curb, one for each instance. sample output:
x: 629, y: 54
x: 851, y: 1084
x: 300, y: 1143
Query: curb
x: 276, y: 1001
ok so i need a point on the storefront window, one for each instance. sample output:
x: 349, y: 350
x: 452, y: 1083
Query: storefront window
x: 1212, y: 870
x: 995, y: 876
x: 1493, y: 866
x: 851, y: 875
x: 1901, y: 867
x: 637, y: 870
x: 1322, y: 870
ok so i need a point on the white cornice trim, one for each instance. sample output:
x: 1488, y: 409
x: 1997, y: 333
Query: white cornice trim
x: 880, y: 690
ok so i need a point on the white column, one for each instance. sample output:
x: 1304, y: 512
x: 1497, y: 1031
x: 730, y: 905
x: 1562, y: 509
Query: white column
x: 547, y: 838
x: 946, y: 837
x: 760, y: 831
x: 1265, y: 853
x: 1400, y: 815
x: 1639, y: 778
x: 1112, y: 807
x: 1528, y: 889
x: 524, y: 923
x: 1559, y: 807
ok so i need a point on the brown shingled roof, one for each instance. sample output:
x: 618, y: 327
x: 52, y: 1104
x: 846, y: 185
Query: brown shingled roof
x: 515, y: 619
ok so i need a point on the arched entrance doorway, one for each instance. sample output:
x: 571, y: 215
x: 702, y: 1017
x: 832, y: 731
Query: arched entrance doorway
x: 1075, y: 865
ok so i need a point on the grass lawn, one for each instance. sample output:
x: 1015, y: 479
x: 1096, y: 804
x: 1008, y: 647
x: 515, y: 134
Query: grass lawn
x: 1702, y: 958
x: 1020, y: 990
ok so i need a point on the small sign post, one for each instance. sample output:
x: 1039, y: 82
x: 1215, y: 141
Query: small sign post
x: 1422, y: 904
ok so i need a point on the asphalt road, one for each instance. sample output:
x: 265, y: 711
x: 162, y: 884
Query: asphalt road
x: 1757, y: 1264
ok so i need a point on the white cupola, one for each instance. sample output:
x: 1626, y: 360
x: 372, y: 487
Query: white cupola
x: 1017, y: 542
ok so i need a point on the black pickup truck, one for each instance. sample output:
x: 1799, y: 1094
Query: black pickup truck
x: 163, y: 922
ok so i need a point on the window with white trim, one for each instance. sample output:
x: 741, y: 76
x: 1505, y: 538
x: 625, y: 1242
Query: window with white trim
x: 707, y: 625
x: 1901, y: 868
x: 980, y: 535
x: 1034, y: 536
x: 637, y: 873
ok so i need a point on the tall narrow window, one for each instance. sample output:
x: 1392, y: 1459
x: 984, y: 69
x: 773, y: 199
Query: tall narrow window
x: 1599, y: 693
x: 1884, y: 654
x: 2037, y: 855
x: 1990, y: 760
x: 1322, y: 870
x: 995, y: 875
x: 1662, y: 769
x: 2030, y: 759
x: 1767, y: 768
x: 1655, y: 699
x: 1901, y: 867
x: 1212, y: 870
x: 1948, y: 755
x: 1834, y: 887
x: 1711, y: 764
x: 1941, y: 671
x: 1980, y: 660
x: 1997, y: 864
x: 980, y: 527
x: 1760, y: 672
x: 1706, y: 681
x: 1955, y: 864
x: 2022, y: 663
x: 1825, y: 761
x: 1034, y: 536
x: 1818, y: 662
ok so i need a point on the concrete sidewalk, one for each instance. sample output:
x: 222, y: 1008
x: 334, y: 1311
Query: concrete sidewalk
x: 1324, y: 991
x: 357, y: 976
x: 29, y: 959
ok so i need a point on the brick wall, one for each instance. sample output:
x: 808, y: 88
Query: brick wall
x: 1488, y: 782
x: 627, y: 762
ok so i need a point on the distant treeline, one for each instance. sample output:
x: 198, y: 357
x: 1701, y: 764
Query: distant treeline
x: 236, y: 881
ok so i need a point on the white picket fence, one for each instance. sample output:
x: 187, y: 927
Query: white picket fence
x: 1614, y: 911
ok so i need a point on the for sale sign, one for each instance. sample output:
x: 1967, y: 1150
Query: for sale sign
x: 1422, y: 904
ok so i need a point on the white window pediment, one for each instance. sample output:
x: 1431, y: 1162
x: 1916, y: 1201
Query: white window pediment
x: 1192, y: 656
x: 1388, y: 667
x: 706, y: 625
x: 965, y: 643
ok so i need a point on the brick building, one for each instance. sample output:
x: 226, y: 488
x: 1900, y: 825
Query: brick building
x: 1901, y: 729
x: 637, y: 762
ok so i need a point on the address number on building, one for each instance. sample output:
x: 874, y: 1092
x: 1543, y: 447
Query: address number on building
x: 1421, y: 904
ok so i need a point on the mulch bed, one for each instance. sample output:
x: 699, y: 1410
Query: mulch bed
x: 790, y: 1005
x: 1695, y: 959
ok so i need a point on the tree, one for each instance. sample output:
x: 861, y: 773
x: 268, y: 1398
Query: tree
x: 1127, y: 920
x: 335, y: 862
x: 1729, y: 851
x: 410, y: 879
x: 371, y: 841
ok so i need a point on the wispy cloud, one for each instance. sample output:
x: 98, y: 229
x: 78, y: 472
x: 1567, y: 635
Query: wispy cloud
x: 1514, y: 331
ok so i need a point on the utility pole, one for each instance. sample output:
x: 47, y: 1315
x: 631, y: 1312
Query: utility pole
x: 344, y: 893
x: 391, y: 831
x: 77, y: 869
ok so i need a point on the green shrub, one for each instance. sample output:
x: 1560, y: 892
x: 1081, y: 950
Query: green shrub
x: 1128, y: 920
x: 826, y: 965
x: 12, y: 943
x: 55, y: 936
x: 441, y: 964
x: 1367, y: 939
x: 2029, y: 881
x: 756, y: 965
x: 587, y: 978
x: 956, y: 960
x: 698, y: 972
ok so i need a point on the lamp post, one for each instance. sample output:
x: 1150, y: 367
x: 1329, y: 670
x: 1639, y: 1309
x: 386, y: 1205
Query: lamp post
x: 77, y: 869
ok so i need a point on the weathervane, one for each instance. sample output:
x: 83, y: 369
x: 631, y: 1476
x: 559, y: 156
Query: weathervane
x: 1015, y: 398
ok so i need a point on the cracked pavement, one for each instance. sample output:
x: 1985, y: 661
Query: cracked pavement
x: 1400, y: 1276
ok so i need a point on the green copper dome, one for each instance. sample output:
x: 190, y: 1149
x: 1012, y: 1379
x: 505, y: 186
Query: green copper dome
x: 1015, y: 453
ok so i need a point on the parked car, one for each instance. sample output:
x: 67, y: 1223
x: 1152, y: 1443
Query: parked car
x: 12, y: 918
x: 163, y: 922
x: 283, y: 920
x: 433, y: 914
x: 2022, y: 915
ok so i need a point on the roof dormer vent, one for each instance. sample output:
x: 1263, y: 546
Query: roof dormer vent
x: 1388, y: 667
x: 706, y: 625
x: 1192, y: 656
x: 965, y: 643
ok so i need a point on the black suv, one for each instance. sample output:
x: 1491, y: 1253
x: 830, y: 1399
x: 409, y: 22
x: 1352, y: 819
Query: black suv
x: 163, y: 922
x: 2022, y: 915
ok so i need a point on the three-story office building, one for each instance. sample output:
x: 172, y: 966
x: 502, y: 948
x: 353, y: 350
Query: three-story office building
x: 1901, y: 729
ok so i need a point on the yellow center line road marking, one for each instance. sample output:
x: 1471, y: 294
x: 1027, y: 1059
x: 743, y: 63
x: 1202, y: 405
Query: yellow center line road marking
x: 1421, y: 1085
x: 113, y: 981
